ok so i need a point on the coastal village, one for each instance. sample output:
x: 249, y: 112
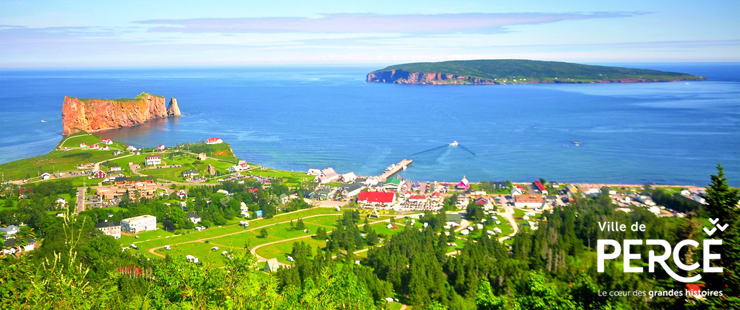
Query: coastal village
x: 166, y: 173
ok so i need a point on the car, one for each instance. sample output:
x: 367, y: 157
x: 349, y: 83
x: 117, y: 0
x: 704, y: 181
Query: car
x: 208, y: 241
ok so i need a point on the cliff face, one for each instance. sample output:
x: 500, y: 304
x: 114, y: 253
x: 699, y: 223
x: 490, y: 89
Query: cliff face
x: 173, y: 109
x: 100, y: 114
x: 405, y: 77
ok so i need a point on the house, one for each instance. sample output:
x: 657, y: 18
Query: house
x: 214, y: 140
x: 377, y: 198
x: 284, y: 198
x: 244, y: 210
x: 243, y: 164
x: 516, y: 190
x: 202, y: 156
x: 327, y: 175
x: 110, y: 228
x: 160, y: 147
x: 236, y: 168
x: 418, y: 198
x: 436, y: 196
x: 153, y: 160
x: 322, y: 193
x: 10, y: 230
x: 45, y: 176
x: 115, y: 169
x: 351, y: 190
x: 271, y: 265
x: 131, y: 148
x: 83, y: 145
x: 100, y: 174
x: 181, y: 194
x: 106, y: 141
x: 12, y: 246
x: 104, y: 148
x: 93, y: 147
x: 348, y: 177
x: 193, y: 217
x: 463, y: 185
x: 61, y: 202
x: 258, y: 213
x: 190, y: 173
x: 315, y: 172
x: 539, y: 187
x: 484, y: 202
x: 139, y: 223
x: 528, y: 201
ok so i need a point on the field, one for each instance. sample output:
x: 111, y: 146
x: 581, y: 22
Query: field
x: 237, y: 234
x: 59, y: 161
x: 291, y: 178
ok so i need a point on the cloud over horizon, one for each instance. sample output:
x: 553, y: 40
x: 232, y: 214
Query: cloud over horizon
x: 480, y: 23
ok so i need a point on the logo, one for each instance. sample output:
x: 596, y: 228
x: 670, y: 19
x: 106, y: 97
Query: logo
x: 625, y: 249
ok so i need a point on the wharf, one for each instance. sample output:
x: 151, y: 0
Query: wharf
x: 395, y: 169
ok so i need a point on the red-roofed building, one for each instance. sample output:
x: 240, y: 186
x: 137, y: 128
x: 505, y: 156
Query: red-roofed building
x: 94, y: 147
x: 214, y: 140
x: 252, y: 190
x: 83, y: 145
x: 436, y: 196
x: 539, y: 187
x: 106, y: 141
x: 417, y: 198
x: 100, y: 174
x: 160, y: 147
x: 382, y: 198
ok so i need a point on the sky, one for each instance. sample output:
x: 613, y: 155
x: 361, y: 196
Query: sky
x: 133, y: 33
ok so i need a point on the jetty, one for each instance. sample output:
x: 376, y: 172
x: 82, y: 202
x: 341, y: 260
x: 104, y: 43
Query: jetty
x: 393, y: 169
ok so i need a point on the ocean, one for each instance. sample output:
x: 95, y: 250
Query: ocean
x: 295, y: 118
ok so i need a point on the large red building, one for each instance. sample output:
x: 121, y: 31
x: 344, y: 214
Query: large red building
x: 383, y: 198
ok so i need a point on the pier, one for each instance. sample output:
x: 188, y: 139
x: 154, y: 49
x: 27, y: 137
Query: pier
x: 395, y: 169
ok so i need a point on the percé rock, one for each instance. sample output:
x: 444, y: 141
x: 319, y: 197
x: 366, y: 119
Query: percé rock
x: 99, y: 114
x: 173, y: 109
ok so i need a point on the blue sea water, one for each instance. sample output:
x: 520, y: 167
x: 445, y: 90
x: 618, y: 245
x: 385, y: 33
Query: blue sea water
x: 309, y: 117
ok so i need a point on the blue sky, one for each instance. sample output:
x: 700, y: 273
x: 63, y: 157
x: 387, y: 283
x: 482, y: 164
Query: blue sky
x: 84, y: 34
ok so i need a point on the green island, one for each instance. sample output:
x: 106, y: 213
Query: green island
x: 234, y: 235
x: 516, y: 71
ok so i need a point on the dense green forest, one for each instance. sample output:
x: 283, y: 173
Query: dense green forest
x: 552, y: 267
x: 533, y: 71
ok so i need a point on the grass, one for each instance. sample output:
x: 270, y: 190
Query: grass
x: 60, y: 161
x: 150, y: 240
x: 290, y: 178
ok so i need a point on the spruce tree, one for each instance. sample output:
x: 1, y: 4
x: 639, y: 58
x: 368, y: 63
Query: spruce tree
x: 722, y: 204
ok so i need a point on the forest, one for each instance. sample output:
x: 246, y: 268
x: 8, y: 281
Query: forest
x: 553, y: 267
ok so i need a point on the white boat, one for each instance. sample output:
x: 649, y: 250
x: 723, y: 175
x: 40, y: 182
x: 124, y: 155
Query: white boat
x: 43, y: 121
x: 453, y: 144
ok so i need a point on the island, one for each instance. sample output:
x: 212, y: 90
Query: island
x: 83, y: 114
x: 517, y: 71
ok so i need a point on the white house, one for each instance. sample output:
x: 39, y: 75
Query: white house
x: 153, y: 160
x: 515, y: 191
x: 348, y: 177
x: 244, y: 210
x: 236, y: 168
x: 83, y: 145
x: 139, y: 223
x: 327, y: 175
x: 45, y: 176
x: 161, y: 147
x: 314, y: 171
x: 193, y: 217
x: 214, y: 140
x: 115, y: 169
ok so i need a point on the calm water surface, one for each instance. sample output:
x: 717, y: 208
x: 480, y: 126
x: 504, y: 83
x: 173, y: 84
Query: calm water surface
x: 296, y: 118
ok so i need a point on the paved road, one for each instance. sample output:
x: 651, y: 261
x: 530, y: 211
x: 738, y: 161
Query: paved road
x: 508, y: 214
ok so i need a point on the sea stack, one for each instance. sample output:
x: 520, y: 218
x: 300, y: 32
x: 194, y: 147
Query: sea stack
x: 173, y: 109
x: 100, y: 114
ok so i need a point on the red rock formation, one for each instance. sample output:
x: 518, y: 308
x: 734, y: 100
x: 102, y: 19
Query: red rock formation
x: 100, y: 114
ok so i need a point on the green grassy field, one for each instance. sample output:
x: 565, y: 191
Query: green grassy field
x: 291, y: 178
x: 55, y: 161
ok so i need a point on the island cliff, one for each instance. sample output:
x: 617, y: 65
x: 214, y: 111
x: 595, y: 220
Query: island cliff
x: 100, y: 114
x: 517, y: 71
x: 173, y: 109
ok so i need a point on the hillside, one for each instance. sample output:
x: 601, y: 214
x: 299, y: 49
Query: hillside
x: 513, y: 71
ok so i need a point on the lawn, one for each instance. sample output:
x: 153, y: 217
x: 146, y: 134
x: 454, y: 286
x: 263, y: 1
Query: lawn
x: 149, y: 240
x: 59, y: 161
x: 291, y: 178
